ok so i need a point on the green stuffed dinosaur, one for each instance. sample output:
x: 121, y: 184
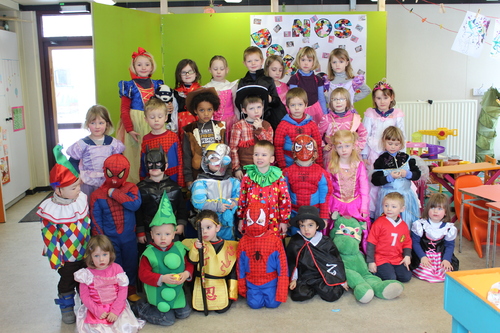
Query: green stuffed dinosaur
x: 347, y: 235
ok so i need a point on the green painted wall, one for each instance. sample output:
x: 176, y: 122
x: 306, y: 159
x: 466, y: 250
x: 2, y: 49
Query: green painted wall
x: 117, y: 33
x: 198, y: 37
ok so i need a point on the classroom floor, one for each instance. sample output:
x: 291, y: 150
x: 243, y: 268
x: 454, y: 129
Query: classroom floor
x: 28, y: 287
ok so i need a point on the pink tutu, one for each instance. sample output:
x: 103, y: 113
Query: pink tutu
x: 316, y: 112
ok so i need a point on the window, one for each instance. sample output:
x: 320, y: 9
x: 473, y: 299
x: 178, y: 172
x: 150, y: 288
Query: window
x: 67, y: 25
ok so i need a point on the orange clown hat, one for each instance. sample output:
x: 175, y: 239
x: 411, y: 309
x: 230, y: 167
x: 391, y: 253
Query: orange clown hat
x: 63, y: 174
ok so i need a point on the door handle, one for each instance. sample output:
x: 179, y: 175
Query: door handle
x: 8, y: 119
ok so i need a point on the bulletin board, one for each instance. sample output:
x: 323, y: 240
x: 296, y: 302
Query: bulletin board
x: 206, y: 35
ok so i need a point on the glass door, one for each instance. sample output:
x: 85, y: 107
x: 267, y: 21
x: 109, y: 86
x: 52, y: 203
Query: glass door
x: 73, y: 90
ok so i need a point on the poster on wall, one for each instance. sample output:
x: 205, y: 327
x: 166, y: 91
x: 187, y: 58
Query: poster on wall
x: 495, y: 43
x: 285, y: 35
x: 4, y: 158
x: 18, y: 118
x: 471, y: 35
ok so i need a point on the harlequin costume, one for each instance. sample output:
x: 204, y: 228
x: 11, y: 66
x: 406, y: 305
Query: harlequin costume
x: 65, y: 229
x: 436, y: 241
x: 356, y: 86
x: 375, y: 123
x: 134, y: 94
x: 227, y: 111
x: 308, y: 183
x: 388, y: 242
x: 333, y: 122
x: 219, y: 271
x: 165, y: 302
x: 112, y: 207
x: 101, y: 291
x: 271, y: 190
x: 314, y: 263
x: 274, y: 111
x: 170, y: 144
x: 212, y: 189
x: 350, y: 195
x: 313, y: 86
x: 288, y: 129
x: 151, y: 193
x: 184, y: 116
x: 87, y: 156
x: 262, y: 267
x: 383, y: 166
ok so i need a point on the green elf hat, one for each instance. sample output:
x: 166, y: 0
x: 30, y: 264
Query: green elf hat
x: 165, y: 213
x: 63, y: 174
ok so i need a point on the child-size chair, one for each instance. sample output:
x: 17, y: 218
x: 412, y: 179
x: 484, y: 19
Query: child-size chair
x: 462, y: 182
x: 478, y: 221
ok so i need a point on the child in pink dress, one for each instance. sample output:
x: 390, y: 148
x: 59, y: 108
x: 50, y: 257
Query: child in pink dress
x: 103, y: 291
x: 341, y: 116
x: 275, y: 69
x: 349, y: 182
x: 226, y: 91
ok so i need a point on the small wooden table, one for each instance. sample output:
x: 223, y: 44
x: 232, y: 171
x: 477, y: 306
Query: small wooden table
x: 447, y: 173
x: 489, y: 193
x: 465, y: 299
x: 493, y: 217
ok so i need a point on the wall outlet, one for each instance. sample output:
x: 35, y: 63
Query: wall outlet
x: 478, y: 91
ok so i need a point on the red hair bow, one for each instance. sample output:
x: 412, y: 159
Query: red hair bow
x: 140, y: 52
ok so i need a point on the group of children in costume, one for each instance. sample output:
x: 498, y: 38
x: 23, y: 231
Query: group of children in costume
x: 262, y: 160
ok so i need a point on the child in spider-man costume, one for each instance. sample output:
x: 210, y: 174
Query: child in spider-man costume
x: 262, y: 267
x: 308, y: 183
x: 113, y: 207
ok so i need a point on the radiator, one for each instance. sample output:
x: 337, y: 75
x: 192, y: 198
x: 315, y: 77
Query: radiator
x: 459, y: 114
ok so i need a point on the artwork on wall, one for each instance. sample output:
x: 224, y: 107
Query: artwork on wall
x: 285, y: 35
x: 18, y: 118
x: 495, y: 44
x: 471, y: 35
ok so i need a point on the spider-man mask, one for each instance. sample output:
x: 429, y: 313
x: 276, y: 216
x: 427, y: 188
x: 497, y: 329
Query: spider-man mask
x: 116, y: 169
x: 256, y: 221
x: 304, y: 148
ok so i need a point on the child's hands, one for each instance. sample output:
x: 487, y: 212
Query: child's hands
x: 406, y: 261
x: 239, y: 174
x: 402, y: 173
x: 345, y: 286
x: 328, y: 147
x: 142, y: 239
x: 292, y: 284
x: 104, y: 315
x: 257, y: 123
x: 425, y: 262
x: 110, y: 192
x: 446, y: 265
x: 198, y: 244
x: 134, y: 135
x: 112, y: 317
x: 175, y: 278
x: 283, y: 228
x: 367, y: 164
x: 372, y: 267
x: 270, y: 99
x: 170, y: 108
x: 396, y: 174
x: 179, y: 230
x: 240, y: 226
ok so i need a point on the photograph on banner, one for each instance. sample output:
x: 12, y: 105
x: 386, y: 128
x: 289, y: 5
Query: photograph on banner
x: 285, y: 35
x: 471, y: 35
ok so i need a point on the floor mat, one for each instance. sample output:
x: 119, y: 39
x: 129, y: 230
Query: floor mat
x: 31, y: 216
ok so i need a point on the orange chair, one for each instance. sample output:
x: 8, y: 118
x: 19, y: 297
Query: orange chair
x: 491, y: 160
x: 478, y: 220
x: 462, y: 182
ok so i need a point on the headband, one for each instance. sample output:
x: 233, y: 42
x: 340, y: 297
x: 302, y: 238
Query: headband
x: 140, y: 52
x: 208, y: 218
x: 382, y: 85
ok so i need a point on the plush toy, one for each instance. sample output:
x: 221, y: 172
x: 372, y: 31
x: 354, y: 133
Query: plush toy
x: 347, y: 235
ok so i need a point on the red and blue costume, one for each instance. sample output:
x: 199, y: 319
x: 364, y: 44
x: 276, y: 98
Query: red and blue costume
x: 262, y: 266
x: 113, y: 207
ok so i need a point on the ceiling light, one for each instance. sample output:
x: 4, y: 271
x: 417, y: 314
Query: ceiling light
x: 232, y: 1
x: 106, y: 2
x: 67, y: 9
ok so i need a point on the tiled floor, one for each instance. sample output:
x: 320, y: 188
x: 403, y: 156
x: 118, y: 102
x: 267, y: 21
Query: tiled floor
x: 28, y: 287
